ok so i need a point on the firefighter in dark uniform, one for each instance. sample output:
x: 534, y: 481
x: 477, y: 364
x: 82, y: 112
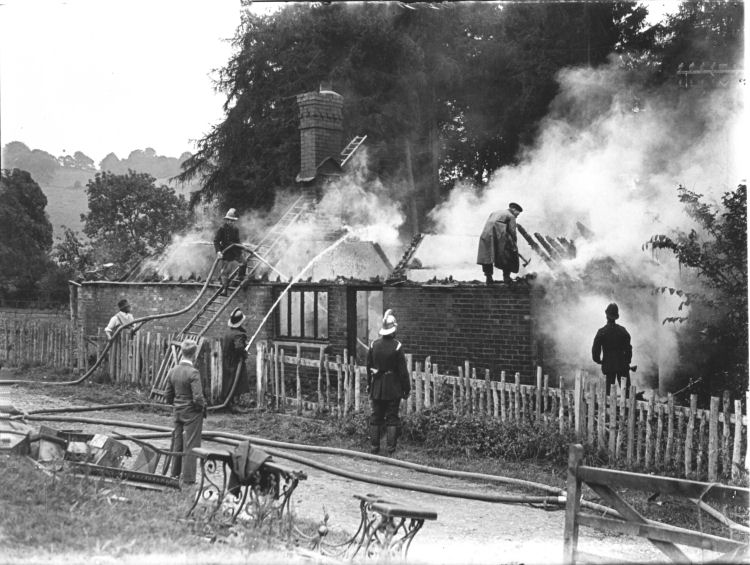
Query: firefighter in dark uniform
x: 612, y: 349
x: 387, y: 384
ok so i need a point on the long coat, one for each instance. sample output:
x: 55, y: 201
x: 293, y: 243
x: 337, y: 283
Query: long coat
x: 498, y: 243
x: 387, y: 375
x: 233, y: 353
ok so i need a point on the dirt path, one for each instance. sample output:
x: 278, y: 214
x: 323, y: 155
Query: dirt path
x: 466, y: 532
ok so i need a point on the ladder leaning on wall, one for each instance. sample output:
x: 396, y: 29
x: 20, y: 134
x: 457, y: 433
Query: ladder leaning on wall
x: 217, y: 303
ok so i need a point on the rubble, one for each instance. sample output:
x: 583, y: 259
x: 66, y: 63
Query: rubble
x: 81, y: 453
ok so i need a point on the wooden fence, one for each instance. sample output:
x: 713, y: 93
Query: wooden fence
x: 643, y: 435
x: 639, y: 434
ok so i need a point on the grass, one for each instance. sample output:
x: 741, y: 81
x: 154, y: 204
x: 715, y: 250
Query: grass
x: 158, y: 524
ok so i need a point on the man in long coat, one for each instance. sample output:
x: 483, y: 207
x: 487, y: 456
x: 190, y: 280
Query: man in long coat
x: 387, y: 383
x: 612, y: 349
x: 498, y: 243
x: 233, y: 355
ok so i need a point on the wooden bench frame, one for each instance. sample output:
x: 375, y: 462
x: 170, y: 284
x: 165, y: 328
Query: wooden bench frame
x: 604, y: 482
x: 267, y: 493
x: 386, y: 528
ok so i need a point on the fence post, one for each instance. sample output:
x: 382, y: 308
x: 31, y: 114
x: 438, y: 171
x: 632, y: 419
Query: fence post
x: 327, y: 369
x: 467, y: 384
x: 418, y: 386
x: 578, y: 402
x: 282, y: 381
x: 572, y: 505
x: 320, y: 379
x: 631, y: 424
x: 670, y: 429
x: 410, y: 370
x: 621, y: 425
x: 689, y: 436
x: 339, y: 410
x: 713, y: 439
x: 436, y: 385
x: 503, y: 413
x: 298, y: 381
x: 601, y: 437
x: 612, y: 418
x: 649, y: 433
x: 517, y: 397
x: 590, y: 410
x: 725, y: 455
x: 737, y: 453
x: 538, y: 407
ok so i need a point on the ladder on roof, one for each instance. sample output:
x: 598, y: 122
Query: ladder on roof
x: 217, y: 303
x: 272, y: 242
x: 349, y: 150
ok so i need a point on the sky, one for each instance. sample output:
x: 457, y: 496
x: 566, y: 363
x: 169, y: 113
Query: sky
x: 103, y: 76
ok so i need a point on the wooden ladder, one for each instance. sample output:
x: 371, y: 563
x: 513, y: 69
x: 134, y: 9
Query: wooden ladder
x: 217, y: 304
x: 349, y: 150
x: 195, y: 329
x: 271, y: 243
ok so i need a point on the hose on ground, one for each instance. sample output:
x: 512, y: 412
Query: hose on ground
x: 234, y: 438
x: 120, y: 329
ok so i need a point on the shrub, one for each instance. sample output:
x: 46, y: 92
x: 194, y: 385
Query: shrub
x: 456, y: 434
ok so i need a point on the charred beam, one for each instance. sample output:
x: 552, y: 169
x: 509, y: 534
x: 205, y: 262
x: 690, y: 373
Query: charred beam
x: 553, y: 253
x: 569, y: 245
x: 535, y: 246
x: 557, y: 246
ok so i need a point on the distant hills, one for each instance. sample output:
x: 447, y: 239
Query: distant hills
x: 63, y: 179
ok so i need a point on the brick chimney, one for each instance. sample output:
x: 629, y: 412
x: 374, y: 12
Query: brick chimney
x: 320, y: 126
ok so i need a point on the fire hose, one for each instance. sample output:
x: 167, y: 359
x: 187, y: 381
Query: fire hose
x: 118, y: 331
x: 271, y: 447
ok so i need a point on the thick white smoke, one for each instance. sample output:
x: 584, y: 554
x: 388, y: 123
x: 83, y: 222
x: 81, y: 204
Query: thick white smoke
x: 611, y: 157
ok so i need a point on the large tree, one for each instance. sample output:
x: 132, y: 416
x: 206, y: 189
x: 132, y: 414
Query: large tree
x: 714, y: 339
x: 25, y: 234
x: 130, y: 217
x: 452, y: 87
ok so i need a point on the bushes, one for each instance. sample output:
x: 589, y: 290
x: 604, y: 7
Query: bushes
x: 517, y: 441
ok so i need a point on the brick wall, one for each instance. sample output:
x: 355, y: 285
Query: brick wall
x: 320, y: 115
x: 489, y: 326
x: 97, y: 303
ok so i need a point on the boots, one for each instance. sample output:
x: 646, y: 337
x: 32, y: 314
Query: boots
x: 391, y: 438
x: 374, y: 439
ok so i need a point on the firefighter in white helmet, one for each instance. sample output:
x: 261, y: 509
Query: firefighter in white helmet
x: 387, y: 384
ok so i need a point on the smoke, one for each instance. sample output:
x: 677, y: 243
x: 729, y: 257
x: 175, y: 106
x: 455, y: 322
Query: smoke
x: 611, y: 156
x: 357, y: 201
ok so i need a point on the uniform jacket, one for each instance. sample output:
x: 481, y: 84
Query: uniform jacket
x: 185, y: 390
x: 614, y: 341
x: 226, y: 235
x: 498, y: 243
x: 387, y: 375
x: 233, y: 353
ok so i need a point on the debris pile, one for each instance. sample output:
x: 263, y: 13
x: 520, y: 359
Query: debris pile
x: 82, y: 453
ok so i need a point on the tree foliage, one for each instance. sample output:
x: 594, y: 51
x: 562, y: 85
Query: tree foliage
x: 442, y: 91
x: 25, y: 234
x: 130, y: 217
x: 716, y: 333
x: 40, y: 164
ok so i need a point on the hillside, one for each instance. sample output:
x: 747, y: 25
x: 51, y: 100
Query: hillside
x: 63, y: 179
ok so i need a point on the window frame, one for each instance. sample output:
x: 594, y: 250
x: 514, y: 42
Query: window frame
x: 298, y: 295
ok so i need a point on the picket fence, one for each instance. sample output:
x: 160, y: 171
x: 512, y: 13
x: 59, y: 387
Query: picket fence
x: 643, y: 435
x: 639, y: 434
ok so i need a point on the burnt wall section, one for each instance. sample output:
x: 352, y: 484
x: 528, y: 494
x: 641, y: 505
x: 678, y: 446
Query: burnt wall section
x: 489, y: 326
x: 97, y: 303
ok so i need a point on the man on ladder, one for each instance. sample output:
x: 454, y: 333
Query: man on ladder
x: 227, y: 235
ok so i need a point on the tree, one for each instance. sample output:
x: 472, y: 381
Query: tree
x: 72, y: 254
x: 449, y: 88
x: 715, y: 336
x: 130, y: 217
x: 83, y: 161
x: 40, y: 164
x: 25, y: 234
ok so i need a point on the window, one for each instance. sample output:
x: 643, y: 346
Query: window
x: 303, y: 314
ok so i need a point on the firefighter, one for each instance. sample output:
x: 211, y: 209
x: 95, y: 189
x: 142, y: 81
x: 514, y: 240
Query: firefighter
x: 612, y: 349
x: 227, y: 235
x: 498, y: 243
x: 387, y: 384
x: 233, y: 356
